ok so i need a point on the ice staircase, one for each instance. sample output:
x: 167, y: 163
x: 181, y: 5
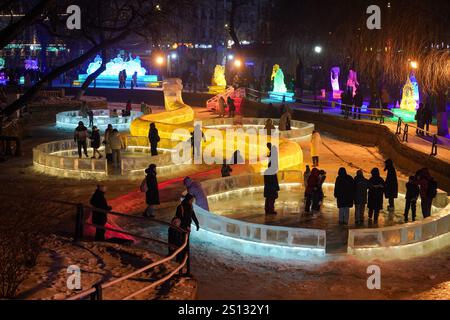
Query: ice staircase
x: 236, y: 94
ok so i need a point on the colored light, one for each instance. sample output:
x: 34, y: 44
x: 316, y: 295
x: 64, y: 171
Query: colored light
x: 237, y: 63
x: 230, y: 57
x: 414, y: 64
x: 159, y: 60
x: 173, y: 55
x: 317, y: 49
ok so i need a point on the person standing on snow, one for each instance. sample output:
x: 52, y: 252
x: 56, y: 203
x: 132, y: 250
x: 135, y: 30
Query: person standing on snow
x: 195, y: 189
x: 344, y: 189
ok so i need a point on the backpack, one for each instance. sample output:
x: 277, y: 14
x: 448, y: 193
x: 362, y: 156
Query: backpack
x: 144, y: 187
x: 432, y: 189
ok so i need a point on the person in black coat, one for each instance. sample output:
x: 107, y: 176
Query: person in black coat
x: 344, y: 189
x: 271, y: 188
x: 95, y: 142
x: 358, y: 103
x: 361, y: 188
x: 153, y: 138
x: 100, y: 218
x: 427, y: 117
x: 412, y: 194
x: 231, y: 107
x: 152, y: 193
x: 175, y: 238
x: 185, y: 212
x: 376, y: 192
x: 391, y: 185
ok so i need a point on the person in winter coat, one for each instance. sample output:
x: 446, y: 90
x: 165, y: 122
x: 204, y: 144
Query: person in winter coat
x: 90, y: 114
x: 427, y: 117
x: 80, y: 136
x: 231, y: 107
x: 226, y: 169
x: 195, y: 189
x: 344, y: 189
x: 271, y: 188
x: 153, y: 138
x: 175, y: 238
x: 95, y: 142
x: 428, y: 191
x: 420, y: 118
x: 222, y: 106
x: 361, y: 188
x: 152, y: 193
x: 128, y: 108
x: 316, y: 142
x: 185, y: 212
x: 318, y: 193
x: 376, y: 192
x: 358, y: 102
x: 116, y: 145
x: 269, y: 126
x: 100, y: 218
x: 108, y: 150
x: 312, y: 186
x: 391, y: 184
x: 306, y: 175
x: 285, y: 120
x: 412, y: 194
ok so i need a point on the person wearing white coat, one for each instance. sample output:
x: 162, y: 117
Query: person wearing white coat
x: 316, y: 142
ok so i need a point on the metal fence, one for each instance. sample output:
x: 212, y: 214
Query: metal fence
x: 348, y: 111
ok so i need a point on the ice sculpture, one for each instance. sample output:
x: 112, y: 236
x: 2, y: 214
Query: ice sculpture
x: 219, y: 84
x: 334, y: 77
x: 278, y: 80
x: 2, y: 63
x: 116, y: 65
x: 279, y: 87
x: 352, y: 81
x: 31, y: 64
x: 415, y: 87
x: 408, y: 102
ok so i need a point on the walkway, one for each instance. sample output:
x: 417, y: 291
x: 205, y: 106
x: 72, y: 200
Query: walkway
x: 422, y: 144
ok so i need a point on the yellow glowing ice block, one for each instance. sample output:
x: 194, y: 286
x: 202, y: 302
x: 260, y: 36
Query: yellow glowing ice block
x: 219, y: 84
x: 177, y: 111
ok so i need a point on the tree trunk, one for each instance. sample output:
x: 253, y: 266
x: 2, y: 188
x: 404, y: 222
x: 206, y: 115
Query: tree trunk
x: 32, y: 91
x: 92, y: 77
x: 442, y: 118
x: 234, y: 6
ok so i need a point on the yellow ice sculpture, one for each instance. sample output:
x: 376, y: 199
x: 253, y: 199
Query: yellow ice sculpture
x: 177, y: 111
x: 408, y: 102
x: 218, y: 82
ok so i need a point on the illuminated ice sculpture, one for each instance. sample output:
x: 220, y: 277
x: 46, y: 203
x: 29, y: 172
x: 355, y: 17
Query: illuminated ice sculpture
x: 116, y: 65
x: 334, y: 77
x: 110, y: 77
x: 415, y: 87
x: 218, y: 82
x: 352, y: 81
x: 279, y: 87
x: 409, y: 102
